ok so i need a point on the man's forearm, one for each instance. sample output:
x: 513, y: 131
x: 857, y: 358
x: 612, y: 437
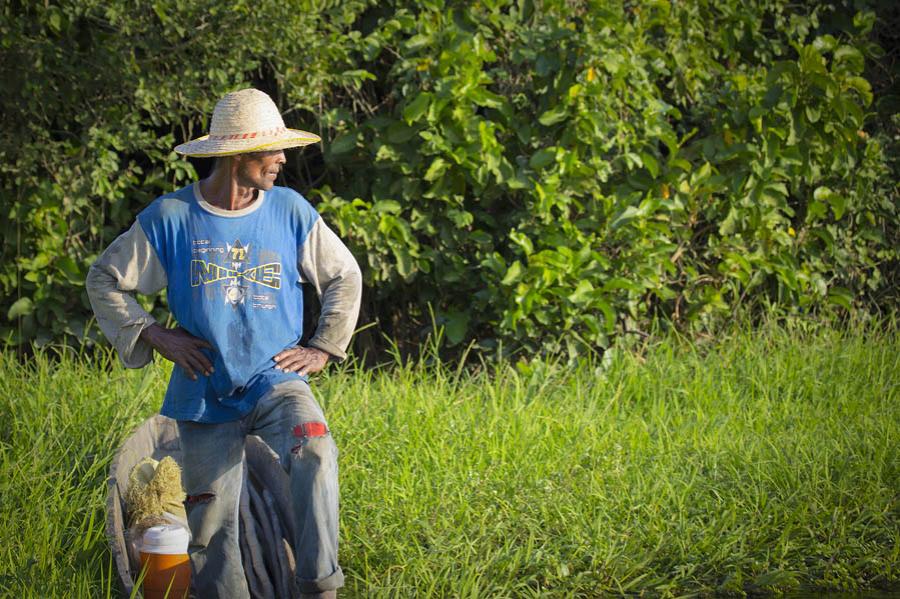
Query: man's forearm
x: 120, y: 317
x: 332, y: 269
x: 340, y: 310
x: 127, y: 266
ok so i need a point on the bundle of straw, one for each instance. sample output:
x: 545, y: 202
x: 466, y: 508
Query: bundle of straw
x: 154, y: 489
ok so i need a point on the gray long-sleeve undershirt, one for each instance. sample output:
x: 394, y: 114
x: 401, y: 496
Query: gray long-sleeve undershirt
x: 130, y: 265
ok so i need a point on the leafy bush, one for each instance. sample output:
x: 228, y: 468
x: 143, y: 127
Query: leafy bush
x: 98, y: 95
x: 550, y: 174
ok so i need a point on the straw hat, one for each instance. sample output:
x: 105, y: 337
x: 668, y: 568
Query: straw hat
x: 246, y: 121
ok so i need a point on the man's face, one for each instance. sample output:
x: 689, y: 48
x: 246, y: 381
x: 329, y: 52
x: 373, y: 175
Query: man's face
x: 259, y: 169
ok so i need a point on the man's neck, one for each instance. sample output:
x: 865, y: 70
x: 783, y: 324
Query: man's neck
x: 222, y: 190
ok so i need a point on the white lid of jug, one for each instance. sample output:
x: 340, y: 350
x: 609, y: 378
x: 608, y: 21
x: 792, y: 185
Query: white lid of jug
x: 168, y: 539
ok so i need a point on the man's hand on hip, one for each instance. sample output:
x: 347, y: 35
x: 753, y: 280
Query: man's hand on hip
x: 302, y: 360
x: 179, y: 346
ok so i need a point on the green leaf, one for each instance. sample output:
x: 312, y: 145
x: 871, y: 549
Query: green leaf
x: 650, y: 163
x: 160, y: 11
x: 822, y: 193
x: 387, y: 206
x: 621, y: 283
x: 55, y: 21
x: 480, y: 237
x: 483, y: 97
x: 826, y: 237
x: 398, y: 133
x: 513, y: 273
x: 553, y: 116
x: 837, y: 202
x: 825, y: 43
x: 864, y: 20
x: 848, y: 58
x: 613, y: 62
x: 358, y: 75
x: 811, y: 61
x: 623, y: 217
x: 582, y: 292
x: 701, y: 174
x: 343, y: 143
x: 815, y: 210
x: 838, y: 205
x: 680, y: 163
x: 417, y: 42
x: 460, y: 218
x: 21, y: 307
x: 730, y: 223
x: 419, y: 106
x: 523, y: 241
x: 542, y: 158
x: 69, y: 266
x: 862, y: 86
x: 841, y: 296
x: 404, y: 262
x: 457, y: 324
x: 609, y: 316
x: 437, y: 168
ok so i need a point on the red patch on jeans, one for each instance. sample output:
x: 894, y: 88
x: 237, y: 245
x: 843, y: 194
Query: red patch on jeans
x: 310, y: 429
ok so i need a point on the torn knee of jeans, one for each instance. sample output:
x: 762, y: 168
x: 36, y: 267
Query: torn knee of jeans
x: 199, y: 498
x: 306, y: 431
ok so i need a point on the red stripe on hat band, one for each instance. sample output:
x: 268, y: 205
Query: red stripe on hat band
x: 249, y: 135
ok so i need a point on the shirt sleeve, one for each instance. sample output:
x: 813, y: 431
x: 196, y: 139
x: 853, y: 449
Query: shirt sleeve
x: 128, y: 265
x: 327, y: 263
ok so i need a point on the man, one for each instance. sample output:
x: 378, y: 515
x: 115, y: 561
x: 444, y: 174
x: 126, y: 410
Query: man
x: 232, y: 251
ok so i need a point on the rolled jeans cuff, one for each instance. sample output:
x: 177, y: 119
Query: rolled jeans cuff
x: 333, y: 581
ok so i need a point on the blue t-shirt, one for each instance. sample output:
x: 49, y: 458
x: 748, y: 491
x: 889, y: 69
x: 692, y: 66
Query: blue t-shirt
x: 234, y: 281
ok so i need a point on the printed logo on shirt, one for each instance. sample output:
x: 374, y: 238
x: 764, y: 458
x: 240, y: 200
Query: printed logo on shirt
x: 236, y: 275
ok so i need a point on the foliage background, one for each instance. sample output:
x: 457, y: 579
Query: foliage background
x: 545, y: 175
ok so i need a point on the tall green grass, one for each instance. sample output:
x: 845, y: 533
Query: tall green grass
x: 758, y: 461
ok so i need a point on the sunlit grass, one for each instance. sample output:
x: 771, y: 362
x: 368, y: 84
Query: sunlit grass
x: 762, y: 460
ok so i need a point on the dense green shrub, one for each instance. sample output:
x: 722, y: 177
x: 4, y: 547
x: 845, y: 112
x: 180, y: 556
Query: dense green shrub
x: 547, y: 173
x: 96, y: 94
x: 552, y: 173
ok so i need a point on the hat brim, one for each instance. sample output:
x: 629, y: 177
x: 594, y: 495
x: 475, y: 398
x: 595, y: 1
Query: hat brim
x: 204, y: 147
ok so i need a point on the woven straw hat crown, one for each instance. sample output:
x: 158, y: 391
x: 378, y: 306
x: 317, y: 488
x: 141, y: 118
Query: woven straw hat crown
x: 246, y: 121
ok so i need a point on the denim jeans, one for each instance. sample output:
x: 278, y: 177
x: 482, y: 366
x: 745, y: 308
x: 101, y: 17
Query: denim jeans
x: 291, y: 422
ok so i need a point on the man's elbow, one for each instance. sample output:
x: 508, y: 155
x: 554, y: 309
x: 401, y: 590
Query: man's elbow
x: 354, y: 277
x: 349, y: 279
x: 355, y: 274
x: 96, y: 282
